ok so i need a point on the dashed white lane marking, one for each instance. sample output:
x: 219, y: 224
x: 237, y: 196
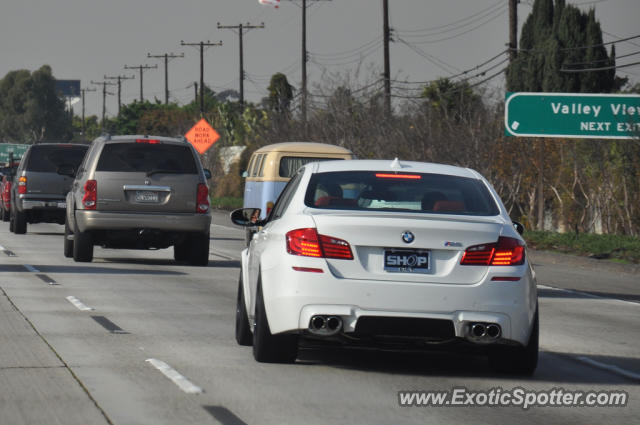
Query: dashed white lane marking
x: 183, y: 383
x: 79, y: 305
x: 31, y: 268
x: 611, y: 368
x: 587, y: 295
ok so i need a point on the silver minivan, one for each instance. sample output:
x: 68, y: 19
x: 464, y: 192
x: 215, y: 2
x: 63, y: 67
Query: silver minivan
x: 139, y: 192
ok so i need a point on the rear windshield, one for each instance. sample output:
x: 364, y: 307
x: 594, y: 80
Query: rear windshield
x: 420, y: 193
x: 147, y: 157
x: 48, y: 159
x: 290, y: 164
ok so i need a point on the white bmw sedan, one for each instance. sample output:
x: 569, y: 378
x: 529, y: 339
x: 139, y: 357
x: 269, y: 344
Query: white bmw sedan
x: 389, y: 254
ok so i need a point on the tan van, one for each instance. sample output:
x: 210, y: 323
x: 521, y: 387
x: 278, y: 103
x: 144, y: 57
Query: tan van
x: 272, y: 166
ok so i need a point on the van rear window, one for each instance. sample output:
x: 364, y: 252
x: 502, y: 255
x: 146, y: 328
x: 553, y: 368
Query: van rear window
x: 144, y: 157
x: 47, y: 159
x: 290, y: 164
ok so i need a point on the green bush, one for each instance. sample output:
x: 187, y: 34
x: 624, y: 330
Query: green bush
x: 615, y: 247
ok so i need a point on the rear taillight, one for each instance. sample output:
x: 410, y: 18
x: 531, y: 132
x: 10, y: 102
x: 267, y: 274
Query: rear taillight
x: 90, y: 198
x: 22, y: 185
x: 148, y: 141
x: 308, y: 243
x: 505, y: 252
x: 202, y: 199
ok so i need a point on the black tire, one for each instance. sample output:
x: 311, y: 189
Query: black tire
x: 82, y: 246
x: 517, y: 360
x: 199, y: 249
x: 181, y: 250
x: 68, y: 240
x: 19, y: 223
x: 269, y: 348
x: 243, y: 331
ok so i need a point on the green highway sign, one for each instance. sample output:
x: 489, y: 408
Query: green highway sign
x: 575, y: 115
x: 17, y: 149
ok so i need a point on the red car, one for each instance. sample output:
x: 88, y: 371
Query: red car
x: 5, y: 197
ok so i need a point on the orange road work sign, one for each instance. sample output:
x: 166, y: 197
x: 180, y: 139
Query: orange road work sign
x: 202, y: 136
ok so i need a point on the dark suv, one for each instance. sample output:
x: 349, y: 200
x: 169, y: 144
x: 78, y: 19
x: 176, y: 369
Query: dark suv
x: 139, y: 192
x: 38, y: 190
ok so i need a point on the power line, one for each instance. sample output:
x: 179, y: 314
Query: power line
x: 435, y: 61
x: 499, y: 4
x: 119, y: 78
x: 604, y: 68
x: 602, y: 60
x: 564, y: 49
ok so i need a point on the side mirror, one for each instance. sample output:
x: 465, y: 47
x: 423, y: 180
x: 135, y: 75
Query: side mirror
x: 247, y: 217
x: 67, y: 170
x: 207, y: 173
x: 519, y: 227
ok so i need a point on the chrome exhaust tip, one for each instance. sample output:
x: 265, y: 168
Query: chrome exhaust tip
x: 317, y: 323
x: 334, y: 323
x: 493, y: 331
x: 478, y: 330
x: 325, y: 325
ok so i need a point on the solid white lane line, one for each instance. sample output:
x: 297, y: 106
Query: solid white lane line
x: 183, y: 383
x: 31, y: 268
x: 587, y: 295
x: 609, y: 367
x: 79, y: 305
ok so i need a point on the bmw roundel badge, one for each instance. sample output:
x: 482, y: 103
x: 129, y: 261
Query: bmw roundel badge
x: 407, y: 236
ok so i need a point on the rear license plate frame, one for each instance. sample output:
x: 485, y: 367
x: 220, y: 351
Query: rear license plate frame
x: 147, y: 197
x: 407, y: 260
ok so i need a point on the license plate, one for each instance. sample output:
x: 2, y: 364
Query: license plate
x: 62, y: 205
x: 146, y: 196
x: 406, y: 261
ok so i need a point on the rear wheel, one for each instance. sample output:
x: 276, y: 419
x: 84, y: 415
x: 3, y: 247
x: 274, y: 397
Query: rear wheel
x: 269, y: 348
x: 68, y: 240
x: 243, y: 332
x: 82, y: 246
x: 517, y: 360
x: 19, y: 223
x: 199, y: 249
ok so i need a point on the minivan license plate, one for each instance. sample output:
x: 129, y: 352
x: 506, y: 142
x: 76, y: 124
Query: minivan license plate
x: 406, y: 261
x: 146, y: 196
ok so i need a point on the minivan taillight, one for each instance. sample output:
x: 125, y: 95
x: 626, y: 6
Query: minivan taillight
x: 202, y: 199
x: 505, y: 252
x: 308, y: 243
x: 22, y: 185
x: 90, y: 198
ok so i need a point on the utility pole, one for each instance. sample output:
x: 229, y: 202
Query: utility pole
x: 202, y: 45
x: 141, y: 68
x: 195, y: 89
x: 241, y: 29
x: 104, y: 97
x: 166, y: 57
x: 119, y: 78
x: 83, y: 92
x: 387, y: 63
x: 513, y: 29
x: 303, y: 89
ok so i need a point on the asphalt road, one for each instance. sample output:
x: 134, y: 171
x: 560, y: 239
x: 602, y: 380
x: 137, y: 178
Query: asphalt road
x: 145, y: 341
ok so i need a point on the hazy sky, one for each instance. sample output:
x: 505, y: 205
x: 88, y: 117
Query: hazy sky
x: 87, y: 39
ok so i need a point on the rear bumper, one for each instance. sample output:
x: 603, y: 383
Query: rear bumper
x: 23, y: 203
x: 292, y: 298
x: 98, y: 220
